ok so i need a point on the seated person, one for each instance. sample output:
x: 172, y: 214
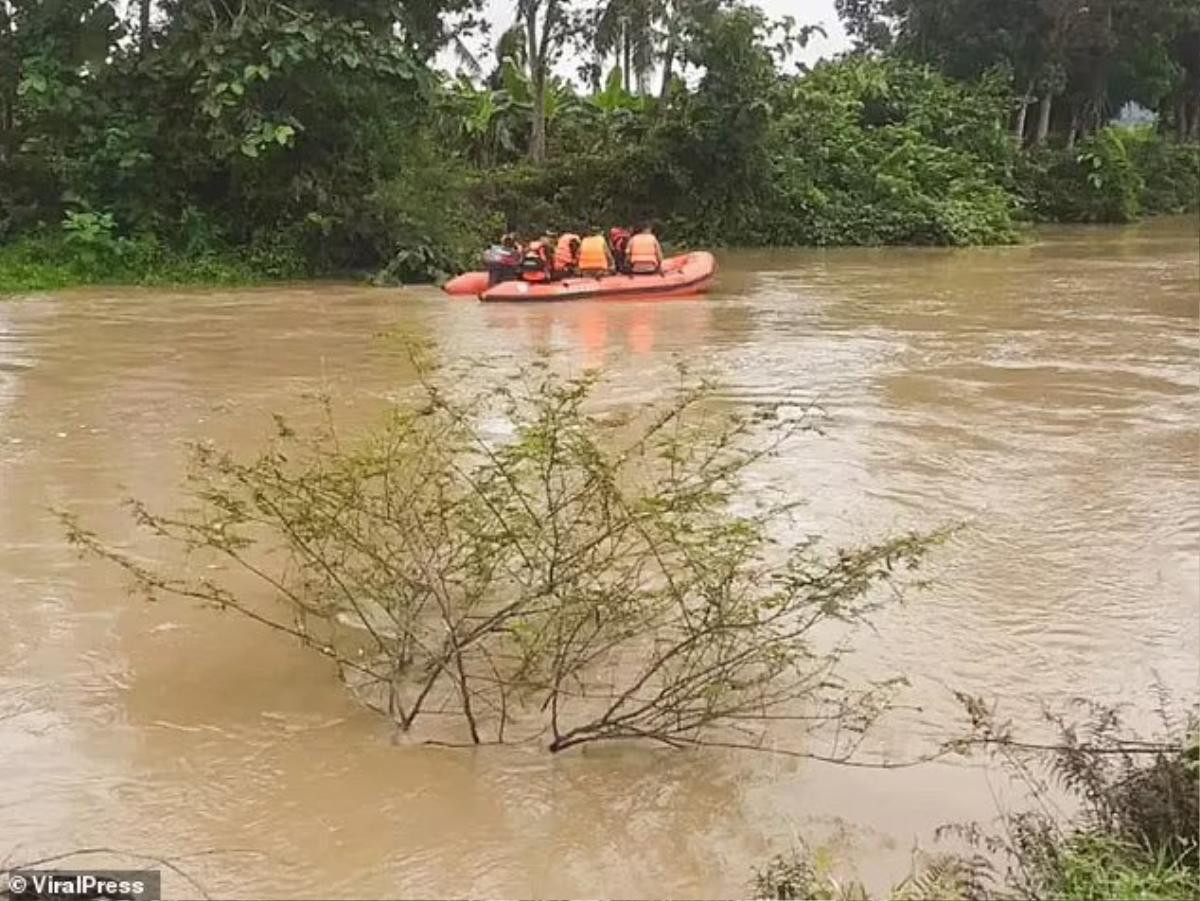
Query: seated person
x: 595, y: 259
x: 503, y: 260
x: 537, y: 263
x: 566, y: 255
x: 644, y: 254
x: 618, y: 240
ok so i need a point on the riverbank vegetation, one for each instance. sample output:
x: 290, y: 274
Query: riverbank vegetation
x: 1113, y: 815
x: 158, y: 140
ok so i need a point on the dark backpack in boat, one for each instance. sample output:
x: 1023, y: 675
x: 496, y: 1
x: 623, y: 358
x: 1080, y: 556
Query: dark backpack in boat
x: 500, y: 257
x: 502, y: 263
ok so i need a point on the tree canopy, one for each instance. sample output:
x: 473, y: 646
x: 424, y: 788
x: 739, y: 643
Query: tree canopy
x: 311, y: 136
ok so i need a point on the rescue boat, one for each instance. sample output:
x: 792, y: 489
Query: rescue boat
x: 474, y: 283
x: 690, y: 273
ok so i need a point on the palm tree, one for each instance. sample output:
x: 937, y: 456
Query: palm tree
x: 143, y: 26
x: 509, y: 46
x: 629, y: 29
x: 643, y: 33
x: 673, y: 13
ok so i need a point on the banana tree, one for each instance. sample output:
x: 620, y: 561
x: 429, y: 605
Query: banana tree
x: 547, y: 26
x: 494, y: 122
x: 490, y: 124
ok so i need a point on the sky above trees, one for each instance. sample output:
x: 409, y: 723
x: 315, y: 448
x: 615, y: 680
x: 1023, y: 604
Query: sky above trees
x: 501, y: 13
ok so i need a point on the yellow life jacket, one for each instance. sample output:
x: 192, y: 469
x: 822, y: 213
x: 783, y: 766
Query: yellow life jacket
x: 644, y: 253
x: 594, y: 255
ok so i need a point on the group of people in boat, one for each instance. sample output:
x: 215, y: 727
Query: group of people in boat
x: 622, y: 250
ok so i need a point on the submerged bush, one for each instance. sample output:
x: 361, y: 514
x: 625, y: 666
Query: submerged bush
x: 576, y: 579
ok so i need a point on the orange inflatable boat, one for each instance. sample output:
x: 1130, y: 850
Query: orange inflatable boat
x: 691, y: 273
x: 474, y: 283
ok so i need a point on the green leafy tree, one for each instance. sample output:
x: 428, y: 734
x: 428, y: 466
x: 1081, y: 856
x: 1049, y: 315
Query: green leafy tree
x: 1086, y: 58
x: 51, y: 56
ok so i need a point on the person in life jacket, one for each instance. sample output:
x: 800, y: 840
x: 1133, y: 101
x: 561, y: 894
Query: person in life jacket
x: 618, y: 240
x: 537, y: 264
x: 503, y: 260
x: 644, y: 254
x: 595, y: 259
x: 566, y: 255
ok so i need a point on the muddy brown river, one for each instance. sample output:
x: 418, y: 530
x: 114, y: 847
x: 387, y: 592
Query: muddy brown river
x: 1044, y: 395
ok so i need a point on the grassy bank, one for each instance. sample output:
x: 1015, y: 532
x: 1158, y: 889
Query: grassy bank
x: 87, y: 250
x: 44, y: 265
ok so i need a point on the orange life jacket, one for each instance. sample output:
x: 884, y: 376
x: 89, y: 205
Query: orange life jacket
x: 644, y: 253
x: 566, y: 253
x: 594, y: 256
x: 618, y: 239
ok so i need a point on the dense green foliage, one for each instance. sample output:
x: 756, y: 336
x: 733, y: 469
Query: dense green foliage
x: 856, y: 152
x: 88, y: 253
x: 294, y: 139
x: 195, y: 140
x: 1115, y: 175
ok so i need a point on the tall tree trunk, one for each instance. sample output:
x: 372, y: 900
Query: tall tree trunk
x: 1043, y: 127
x: 1019, y: 127
x: 1073, y: 131
x: 1022, y: 115
x: 537, y: 77
x: 668, y: 66
x: 1193, y: 131
x: 626, y: 50
x: 1181, y: 119
x: 537, y: 136
x: 10, y: 77
x: 144, y: 27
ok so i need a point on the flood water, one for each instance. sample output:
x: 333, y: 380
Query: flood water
x: 1045, y: 395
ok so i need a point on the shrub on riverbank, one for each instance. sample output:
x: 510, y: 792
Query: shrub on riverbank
x: 859, y: 151
x: 1115, y: 176
x: 1170, y: 174
x: 1135, y: 833
x: 47, y: 261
